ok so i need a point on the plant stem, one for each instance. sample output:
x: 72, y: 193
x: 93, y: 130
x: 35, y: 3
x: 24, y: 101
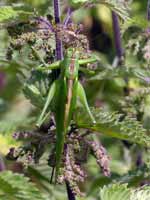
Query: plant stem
x: 139, y: 161
x: 2, y: 80
x: 57, y: 11
x: 117, y: 37
x: 46, y: 22
x: 148, y: 10
x: 59, y: 48
x: 68, y: 18
x: 71, y: 196
x: 2, y: 165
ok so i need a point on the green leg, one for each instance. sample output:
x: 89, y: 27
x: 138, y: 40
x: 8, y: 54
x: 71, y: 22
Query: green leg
x: 82, y: 96
x: 47, y: 103
x: 52, y: 66
x: 88, y: 60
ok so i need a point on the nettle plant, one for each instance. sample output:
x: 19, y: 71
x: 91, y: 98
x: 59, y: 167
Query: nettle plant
x: 52, y: 59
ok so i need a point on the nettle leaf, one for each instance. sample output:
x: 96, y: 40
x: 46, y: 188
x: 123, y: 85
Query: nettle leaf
x: 77, y: 2
x: 36, y: 88
x: 32, y: 93
x: 137, y: 21
x: 115, y: 5
x: 122, y: 192
x: 115, y: 191
x: 133, y: 178
x: 16, y: 186
x: 11, y: 121
x: 10, y: 13
x: 141, y: 193
x: 110, y: 73
x: 115, y: 125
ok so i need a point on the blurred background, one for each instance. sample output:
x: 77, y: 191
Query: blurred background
x: 15, y: 109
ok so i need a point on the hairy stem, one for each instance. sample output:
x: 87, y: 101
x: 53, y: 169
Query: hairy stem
x: 59, y: 48
x: 2, y: 80
x: 148, y: 10
x: 71, y: 196
x: 68, y: 18
x: 117, y: 37
x: 2, y: 165
x: 46, y: 22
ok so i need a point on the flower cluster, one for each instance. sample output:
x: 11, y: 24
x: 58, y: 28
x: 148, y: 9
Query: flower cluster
x: 146, y: 51
x: 72, y: 36
x: 101, y: 157
x: 39, y: 35
x: 77, y: 148
x: 72, y: 172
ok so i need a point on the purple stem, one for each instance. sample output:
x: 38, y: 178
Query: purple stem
x: 59, y: 48
x: 42, y: 20
x: 2, y: 80
x: 148, y: 10
x: 139, y: 161
x: 117, y: 36
x: 2, y: 165
x: 68, y: 18
x: 57, y: 11
x: 71, y: 196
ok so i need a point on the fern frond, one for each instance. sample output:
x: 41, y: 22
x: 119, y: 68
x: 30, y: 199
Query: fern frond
x: 18, y: 187
x: 111, y: 124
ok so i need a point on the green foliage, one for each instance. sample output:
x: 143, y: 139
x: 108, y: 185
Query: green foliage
x: 115, y: 125
x: 137, y: 21
x: 121, y: 192
x: 109, y: 73
x: 11, y: 121
x: 122, y: 91
x: 33, y: 94
x: 9, y: 13
x: 133, y: 178
x: 142, y: 193
x: 114, y: 5
x: 18, y: 187
x: 35, y: 89
x: 115, y: 191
